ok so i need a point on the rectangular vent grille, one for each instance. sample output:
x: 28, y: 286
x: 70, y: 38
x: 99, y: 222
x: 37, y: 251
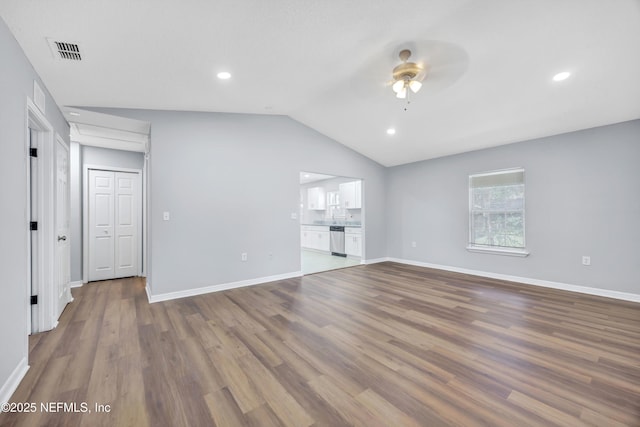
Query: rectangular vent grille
x: 69, y: 51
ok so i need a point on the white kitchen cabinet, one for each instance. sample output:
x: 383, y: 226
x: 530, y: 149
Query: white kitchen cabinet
x: 353, y: 241
x: 351, y: 194
x: 323, y: 242
x: 305, y: 239
x: 316, y: 199
x: 315, y: 237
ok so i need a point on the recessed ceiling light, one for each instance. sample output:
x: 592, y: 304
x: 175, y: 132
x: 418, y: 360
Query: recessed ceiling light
x: 224, y: 75
x: 306, y: 175
x: 73, y: 113
x: 561, y: 76
x: 391, y: 131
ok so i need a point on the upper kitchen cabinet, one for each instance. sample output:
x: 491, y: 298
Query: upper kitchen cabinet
x: 351, y: 194
x: 316, y: 199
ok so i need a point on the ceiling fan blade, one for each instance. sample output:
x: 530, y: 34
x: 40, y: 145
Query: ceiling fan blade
x: 445, y: 63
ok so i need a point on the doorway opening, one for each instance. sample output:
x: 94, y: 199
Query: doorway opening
x: 331, y: 222
x: 47, y: 158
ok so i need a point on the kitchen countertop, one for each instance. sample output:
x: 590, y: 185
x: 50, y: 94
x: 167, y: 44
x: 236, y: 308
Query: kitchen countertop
x: 330, y: 223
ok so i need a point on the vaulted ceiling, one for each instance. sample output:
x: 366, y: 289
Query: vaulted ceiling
x: 328, y: 64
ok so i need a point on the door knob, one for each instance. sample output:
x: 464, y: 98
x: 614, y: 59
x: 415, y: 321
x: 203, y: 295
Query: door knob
x: 62, y: 238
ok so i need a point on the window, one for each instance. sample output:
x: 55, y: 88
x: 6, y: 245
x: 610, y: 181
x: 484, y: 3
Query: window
x: 496, y: 212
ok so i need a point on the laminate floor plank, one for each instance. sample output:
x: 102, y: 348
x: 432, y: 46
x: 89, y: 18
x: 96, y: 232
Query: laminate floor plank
x: 376, y: 345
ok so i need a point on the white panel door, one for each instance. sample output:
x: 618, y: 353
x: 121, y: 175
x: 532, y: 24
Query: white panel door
x: 63, y: 247
x: 126, y: 221
x: 101, y: 225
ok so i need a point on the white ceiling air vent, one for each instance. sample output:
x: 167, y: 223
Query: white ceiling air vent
x: 65, y: 50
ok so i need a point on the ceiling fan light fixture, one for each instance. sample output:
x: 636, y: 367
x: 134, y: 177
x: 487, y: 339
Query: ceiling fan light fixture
x: 397, y: 86
x: 407, y: 75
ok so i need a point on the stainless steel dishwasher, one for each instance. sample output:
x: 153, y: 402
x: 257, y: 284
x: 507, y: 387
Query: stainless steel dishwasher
x: 337, y: 240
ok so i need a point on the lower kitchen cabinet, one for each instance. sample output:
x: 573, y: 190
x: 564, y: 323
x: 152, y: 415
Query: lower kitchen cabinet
x: 315, y: 237
x: 353, y: 242
x: 323, y: 242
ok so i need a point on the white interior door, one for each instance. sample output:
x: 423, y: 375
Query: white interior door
x: 62, y: 214
x: 126, y: 222
x: 113, y: 224
x: 101, y: 225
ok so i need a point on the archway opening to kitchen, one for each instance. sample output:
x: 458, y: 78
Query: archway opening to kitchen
x: 331, y: 222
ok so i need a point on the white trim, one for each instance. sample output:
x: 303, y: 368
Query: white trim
x: 528, y: 281
x: 76, y: 284
x: 375, y: 260
x: 47, y: 318
x: 39, y: 98
x: 27, y: 226
x: 145, y: 216
x: 497, y: 172
x: 216, y: 288
x: 12, y: 383
x: 108, y: 137
x: 142, y: 220
x: 498, y: 251
x: 147, y: 288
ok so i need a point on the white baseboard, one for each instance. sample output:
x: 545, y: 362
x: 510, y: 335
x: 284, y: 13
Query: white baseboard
x: 376, y: 260
x: 216, y: 288
x: 526, y: 280
x: 76, y: 284
x: 147, y: 288
x: 12, y: 383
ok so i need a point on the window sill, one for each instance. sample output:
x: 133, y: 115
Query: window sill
x: 498, y: 251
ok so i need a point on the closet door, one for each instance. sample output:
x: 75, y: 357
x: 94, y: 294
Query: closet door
x: 101, y: 225
x: 126, y: 231
x: 113, y: 224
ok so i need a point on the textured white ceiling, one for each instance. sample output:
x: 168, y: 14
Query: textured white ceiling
x: 327, y: 64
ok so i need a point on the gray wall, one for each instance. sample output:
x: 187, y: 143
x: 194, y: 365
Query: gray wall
x: 16, y: 84
x: 81, y: 156
x: 112, y: 158
x: 582, y: 198
x: 231, y: 182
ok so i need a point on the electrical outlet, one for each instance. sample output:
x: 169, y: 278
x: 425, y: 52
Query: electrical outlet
x: 414, y: 244
x: 294, y: 215
x: 586, y: 260
x: 166, y: 216
x: 243, y: 256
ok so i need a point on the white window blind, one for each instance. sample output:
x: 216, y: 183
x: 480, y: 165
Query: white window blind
x: 496, y: 210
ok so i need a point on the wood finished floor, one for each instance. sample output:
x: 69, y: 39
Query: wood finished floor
x: 377, y: 345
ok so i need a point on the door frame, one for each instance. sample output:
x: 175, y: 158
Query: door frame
x: 363, y: 214
x: 35, y: 119
x: 142, y: 222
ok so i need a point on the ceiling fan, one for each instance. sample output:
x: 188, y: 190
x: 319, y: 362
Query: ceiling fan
x: 407, y: 76
x: 437, y: 66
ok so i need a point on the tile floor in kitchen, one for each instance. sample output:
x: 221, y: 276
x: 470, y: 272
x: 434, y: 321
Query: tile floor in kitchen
x: 315, y: 262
